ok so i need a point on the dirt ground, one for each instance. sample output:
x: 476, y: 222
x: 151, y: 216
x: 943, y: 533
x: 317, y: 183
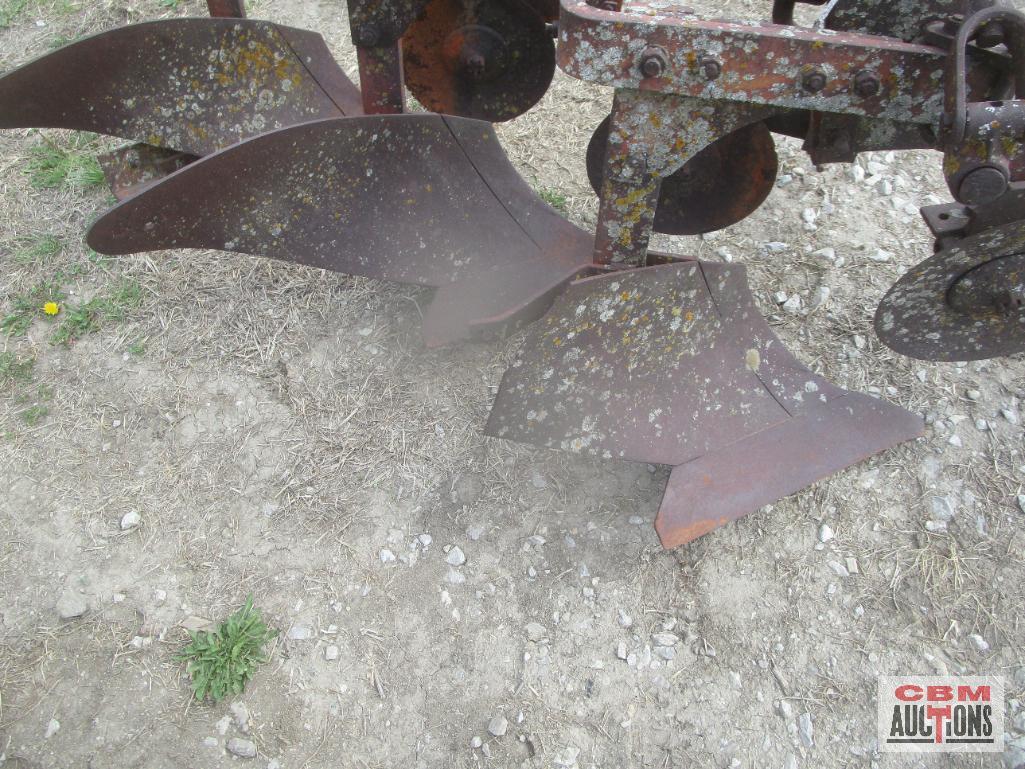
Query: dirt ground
x: 280, y: 431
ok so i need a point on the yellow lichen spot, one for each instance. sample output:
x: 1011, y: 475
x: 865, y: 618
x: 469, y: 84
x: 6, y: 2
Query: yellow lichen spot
x: 51, y: 308
x: 752, y: 359
x: 689, y: 316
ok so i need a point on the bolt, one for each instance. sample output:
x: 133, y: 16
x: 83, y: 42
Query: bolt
x: 710, y: 66
x: 653, y: 62
x: 866, y: 84
x: 366, y: 35
x: 814, y: 80
x: 474, y: 63
x: 1011, y: 300
x: 982, y: 185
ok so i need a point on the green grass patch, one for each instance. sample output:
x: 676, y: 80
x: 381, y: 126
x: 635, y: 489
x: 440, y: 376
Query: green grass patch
x: 112, y: 307
x: 35, y: 410
x: 41, y: 247
x: 14, y: 369
x: 555, y: 199
x: 35, y: 414
x: 221, y: 663
x: 51, y: 166
x: 10, y: 10
x: 27, y: 307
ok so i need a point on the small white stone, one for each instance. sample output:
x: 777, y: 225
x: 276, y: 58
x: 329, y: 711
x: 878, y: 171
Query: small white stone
x: 455, y: 556
x: 1010, y: 416
x: 825, y: 532
x: 498, y: 726
x: 982, y: 425
x: 331, y: 653
x: 621, y: 652
x: 829, y: 254
x: 159, y: 596
x: 455, y: 577
x: 973, y: 395
x: 820, y: 297
x: 625, y: 620
x: 838, y: 568
x: 130, y: 520
x: 535, y: 631
x: 52, y: 728
x: 793, y: 304
x: 387, y: 556
x: 476, y: 742
x: 880, y: 255
x: 242, y: 748
x: 955, y: 441
x: 979, y: 642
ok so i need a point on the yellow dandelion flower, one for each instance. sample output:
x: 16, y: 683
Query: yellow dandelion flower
x: 51, y: 308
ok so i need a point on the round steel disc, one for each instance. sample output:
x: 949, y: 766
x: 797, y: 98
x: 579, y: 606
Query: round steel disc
x: 486, y: 59
x: 719, y: 186
x: 963, y: 303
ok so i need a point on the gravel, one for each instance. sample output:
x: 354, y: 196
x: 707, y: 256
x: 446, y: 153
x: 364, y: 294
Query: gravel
x: 806, y: 730
x: 535, y: 631
x: 455, y: 556
x: 498, y: 726
x: 300, y: 633
x: 130, y: 520
x: 242, y: 748
x: 71, y: 605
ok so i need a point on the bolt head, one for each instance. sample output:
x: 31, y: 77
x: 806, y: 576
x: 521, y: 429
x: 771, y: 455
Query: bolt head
x: 653, y: 62
x: 366, y: 35
x: 814, y: 81
x: 866, y: 84
x: 710, y: 67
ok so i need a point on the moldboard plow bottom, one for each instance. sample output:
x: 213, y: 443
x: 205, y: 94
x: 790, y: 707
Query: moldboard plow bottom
x: 674, y: 365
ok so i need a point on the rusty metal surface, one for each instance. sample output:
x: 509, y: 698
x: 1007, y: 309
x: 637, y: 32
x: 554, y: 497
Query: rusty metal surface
x: 130, y: 169
x: 235, y: 9
x: 651, y: 136
x: 757, y: 64
x: 669, y: 364
x: 731, y: 482
x: 380, y: 79
x: 194, y: 85
x: 478, y: 58
x: 904, y: 19
x: 410, y: 198
x: 964, y: 303
x: 721, y: 185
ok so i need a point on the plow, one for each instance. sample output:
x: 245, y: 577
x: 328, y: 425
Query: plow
x: 247, y: 137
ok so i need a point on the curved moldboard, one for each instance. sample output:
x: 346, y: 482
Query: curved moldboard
x: 194, y: 85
